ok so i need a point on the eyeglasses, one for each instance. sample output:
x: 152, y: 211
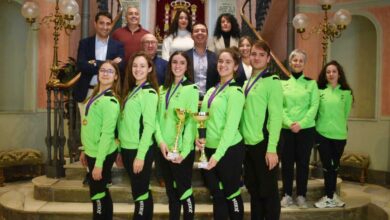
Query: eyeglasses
x: 108, y: 71
x: 150, y: 42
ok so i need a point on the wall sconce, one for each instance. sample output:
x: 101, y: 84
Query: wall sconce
x: 329, y: 29
x: 66, y: 17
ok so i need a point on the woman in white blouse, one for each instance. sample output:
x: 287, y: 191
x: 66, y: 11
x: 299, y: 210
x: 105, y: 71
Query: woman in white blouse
x: 244, y: 70
x: 179, y: 38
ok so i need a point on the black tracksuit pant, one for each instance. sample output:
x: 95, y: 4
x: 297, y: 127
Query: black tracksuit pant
x: 330, y: 151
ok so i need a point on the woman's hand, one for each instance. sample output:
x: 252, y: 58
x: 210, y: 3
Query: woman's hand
x: 164, y: 150
x: 200, y: 143
x: 271, y: 159
x: 295, y: 127
x: 83, y: 159
x: 97, y: 173
x: 138, y: 165
x: 178, y: 159
x: 212, y: 163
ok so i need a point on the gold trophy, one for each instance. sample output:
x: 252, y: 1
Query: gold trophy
x: 201, y: 117
x: 181, y: 115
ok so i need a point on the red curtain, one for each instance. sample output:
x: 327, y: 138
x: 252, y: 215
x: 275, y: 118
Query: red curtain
x: 165, y: 10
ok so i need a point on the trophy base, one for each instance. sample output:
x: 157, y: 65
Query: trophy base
x: 172, y: 155
x: 202, y: 165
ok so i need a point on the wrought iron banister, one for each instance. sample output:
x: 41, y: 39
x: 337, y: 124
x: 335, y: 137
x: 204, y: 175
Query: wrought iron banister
x: 257, y: 34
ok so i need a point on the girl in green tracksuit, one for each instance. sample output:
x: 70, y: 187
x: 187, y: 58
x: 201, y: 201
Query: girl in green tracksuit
x: 300, y: 106
x: 223, y: 146
x: 136, y: 127
x: 260, y: 127
x: 331, y: 125
x: 178, y: 92
x: 98, y: 138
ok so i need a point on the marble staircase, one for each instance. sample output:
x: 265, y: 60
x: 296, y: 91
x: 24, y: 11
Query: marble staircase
x: 67, y: 198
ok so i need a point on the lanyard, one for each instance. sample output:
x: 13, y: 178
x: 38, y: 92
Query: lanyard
x: 249, y: 87
x: 216, y: 92
x: 134, y: 92
x: 168, y: 97
x: 91, y: 100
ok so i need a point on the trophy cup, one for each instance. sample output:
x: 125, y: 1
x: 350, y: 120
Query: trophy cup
x: 181, y: 115
x: 201, y: 117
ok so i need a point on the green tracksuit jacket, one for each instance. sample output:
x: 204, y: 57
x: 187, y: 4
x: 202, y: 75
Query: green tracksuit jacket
x: 137, y: 122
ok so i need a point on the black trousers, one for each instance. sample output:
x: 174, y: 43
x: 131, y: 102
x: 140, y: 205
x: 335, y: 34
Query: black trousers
x: 142, y: 197
x: 296, y: 149
x: 262, y: 183
x: 330, y: 151
x: 224, y: 180
x: 98, y: 191
x: 177, y: 179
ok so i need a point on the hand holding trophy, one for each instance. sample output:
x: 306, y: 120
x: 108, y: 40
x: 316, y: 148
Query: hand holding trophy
x: 181, y: 115
x: 201, y: 117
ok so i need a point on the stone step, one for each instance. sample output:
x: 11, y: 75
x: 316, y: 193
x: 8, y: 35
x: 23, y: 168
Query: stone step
x: 20, y: 204
x: 75, y: 171
x: 64, y: 190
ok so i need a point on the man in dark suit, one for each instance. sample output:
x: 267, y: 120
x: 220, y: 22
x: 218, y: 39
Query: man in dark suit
x: 149, y: 46
x: 204, y: 62
x: 92, y: 52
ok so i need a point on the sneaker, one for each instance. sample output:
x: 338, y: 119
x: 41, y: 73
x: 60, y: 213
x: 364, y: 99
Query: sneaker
x: 301, y: 201
x: 325, y: 202
x: 338, y: 201
x: 286, y: 201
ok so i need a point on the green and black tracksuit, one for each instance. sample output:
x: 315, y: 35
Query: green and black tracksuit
x: 136, y: 127
x: 177, y: 177
x: 331, y: 125
x: 98, y: 139
x: 224, y: 103
x: 260, y: 127
x: 300, y: 106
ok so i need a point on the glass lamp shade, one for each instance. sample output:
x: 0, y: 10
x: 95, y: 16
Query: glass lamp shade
x: 300, y: 21
x: 76, y: 20
x: 30, y: 10
x: 342, y: 17
x: 69, y: 7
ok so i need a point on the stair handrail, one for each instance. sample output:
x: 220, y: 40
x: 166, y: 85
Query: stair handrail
x: 274, y: 57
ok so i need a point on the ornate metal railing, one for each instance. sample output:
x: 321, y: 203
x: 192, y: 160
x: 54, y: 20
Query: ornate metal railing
x: 55, y: 139
x: 277, y: 65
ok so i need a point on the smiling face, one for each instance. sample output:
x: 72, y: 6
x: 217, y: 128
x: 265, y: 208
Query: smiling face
x: 226, y: 25
x: 259, y: 58
x: 183, y: 20
x: 226, y: 65
x: 103, y: 26
x: 140, y: 69
x: 149, y: 45
x: 332, y: 75
x: 297, y: 62
x: 107, y: 75
x: 178, y: 66
x: 199, y: 34
x: 132, y: 16
x: 245, y: 48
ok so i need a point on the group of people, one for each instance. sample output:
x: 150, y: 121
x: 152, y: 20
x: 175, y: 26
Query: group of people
x: 129, y: 99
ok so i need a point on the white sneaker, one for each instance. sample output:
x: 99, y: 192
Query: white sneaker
x: 325, y: 202
x: 338, y: 201
x: 286, y: 201
x: 301, y: 201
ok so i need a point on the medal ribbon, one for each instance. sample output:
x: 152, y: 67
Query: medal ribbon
x: 249, y: 87
x: 91, y: 100
x: 216, y: 92
x: 167, y: 97
x: 135, y: 92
